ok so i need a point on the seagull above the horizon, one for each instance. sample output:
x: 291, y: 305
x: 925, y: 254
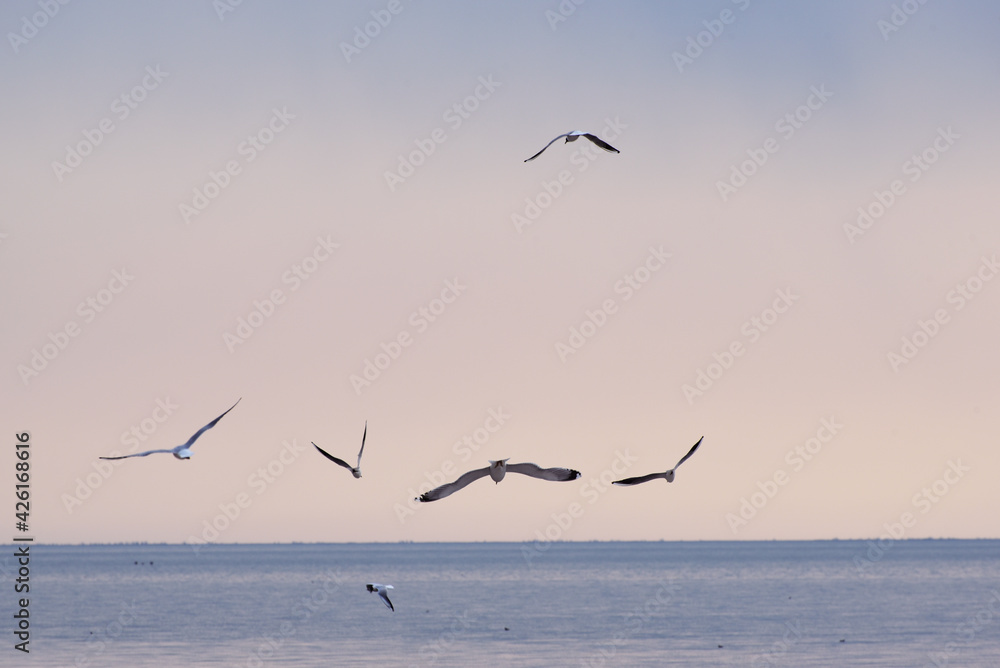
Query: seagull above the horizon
x: 666, y: 475
x: 355, y: 470
x: 573, y: 136
x: 497, y: 470
x: 181, y: 451
x: 383, y: 593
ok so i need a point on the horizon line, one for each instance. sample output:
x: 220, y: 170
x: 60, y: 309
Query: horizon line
x: 510, y: 542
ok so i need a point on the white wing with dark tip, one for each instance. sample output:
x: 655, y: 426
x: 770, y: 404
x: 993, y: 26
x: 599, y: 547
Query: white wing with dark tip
x: 546, y: 146
x: 452, y: 487
x: 603, y: 144
x: 333, y: 459
x: 689, y: 453
x: 362, y: 450
x: 179, y: 451
x: 639, y: 479
x: 139, y: 454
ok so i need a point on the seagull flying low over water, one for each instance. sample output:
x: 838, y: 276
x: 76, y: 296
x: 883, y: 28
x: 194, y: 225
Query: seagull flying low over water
x: 666, y: 475
x: 181, y: 451
x: 497, y: 470
x: 356, y: 470
x: 573, y: 136
x: 382, y: 592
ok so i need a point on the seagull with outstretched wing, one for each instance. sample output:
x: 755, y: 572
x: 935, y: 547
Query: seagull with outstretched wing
x: 497, y: 470
x: 666, y: 475
x: 573, y: 136
x: 356, y: 470
x: 383, y: 592
x: 181, y: 451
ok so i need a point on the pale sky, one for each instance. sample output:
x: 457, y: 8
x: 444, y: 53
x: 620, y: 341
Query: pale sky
x: 172, y: 168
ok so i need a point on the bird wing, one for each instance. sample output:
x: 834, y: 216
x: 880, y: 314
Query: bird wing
x: 331, y: 457
x: 556, y: 474
x: 362, y: 444
x: 690, y: 452
x: 600, y: 142
x: 639, y: 479
x: 138, y: 454
x: 201, y: 431
x: 452, y: 487
x: 383, y: 592
x: 546, y: 146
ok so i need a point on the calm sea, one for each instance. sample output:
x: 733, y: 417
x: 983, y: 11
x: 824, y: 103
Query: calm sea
x: 822, y: 603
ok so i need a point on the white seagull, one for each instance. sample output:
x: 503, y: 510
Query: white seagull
x: 382, y: 592
x: 573, y: 136
x: 497, y: 470
x: 181, y: 451
x: 666, y: 475
x: 356, y: 470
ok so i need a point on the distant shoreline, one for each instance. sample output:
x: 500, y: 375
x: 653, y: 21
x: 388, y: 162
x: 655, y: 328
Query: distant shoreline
x: 510, y: 542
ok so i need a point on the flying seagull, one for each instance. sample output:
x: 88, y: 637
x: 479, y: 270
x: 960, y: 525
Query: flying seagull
x: 572, y: 136
x: 666, y: 475
x: 382, y: 592
x: 181, y: 451
x: 356, y: 470
x: 497, y: 470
